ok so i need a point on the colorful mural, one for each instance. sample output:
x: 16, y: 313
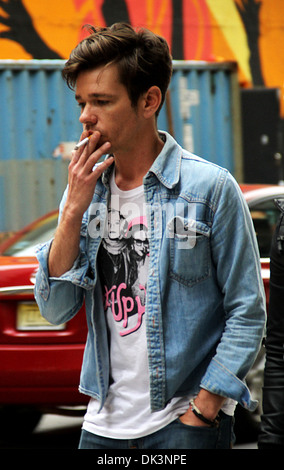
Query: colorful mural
x: 250, y: 32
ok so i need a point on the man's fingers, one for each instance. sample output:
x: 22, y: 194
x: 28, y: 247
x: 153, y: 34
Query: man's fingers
x: 85, y: 151
x: 103, y: 166
x: 90, y: 153
x: 86, y: 166
x: 77, y: 152
x: 96, y: 156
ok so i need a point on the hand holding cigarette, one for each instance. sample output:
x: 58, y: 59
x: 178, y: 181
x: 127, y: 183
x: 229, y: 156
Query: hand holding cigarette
x: 81, y: 143
x: 83, y: 172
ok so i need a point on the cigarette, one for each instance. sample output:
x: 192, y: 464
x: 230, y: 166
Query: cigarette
x: 81, y: 143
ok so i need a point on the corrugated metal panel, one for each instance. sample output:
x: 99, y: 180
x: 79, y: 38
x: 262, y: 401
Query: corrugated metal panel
x: 28, y: 189
x: 38, y: 112
x: 205, y: 107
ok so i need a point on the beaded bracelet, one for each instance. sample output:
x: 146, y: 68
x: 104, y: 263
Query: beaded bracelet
x: 213, y: 423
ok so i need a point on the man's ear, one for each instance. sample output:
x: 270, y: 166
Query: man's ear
x: 152, y: 100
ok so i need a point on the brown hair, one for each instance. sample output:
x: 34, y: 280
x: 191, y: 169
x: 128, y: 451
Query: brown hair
x: 142, y: 57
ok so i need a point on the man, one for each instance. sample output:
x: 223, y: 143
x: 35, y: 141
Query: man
x: 271, y: 435
x: 157, y: 370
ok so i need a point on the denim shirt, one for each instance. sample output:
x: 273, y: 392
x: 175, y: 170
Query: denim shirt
x: 205, y: 306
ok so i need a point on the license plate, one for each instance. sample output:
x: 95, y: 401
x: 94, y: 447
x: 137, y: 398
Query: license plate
x: 29, y: 318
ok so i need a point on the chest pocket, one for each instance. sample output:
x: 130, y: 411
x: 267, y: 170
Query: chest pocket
x: 189, y: 250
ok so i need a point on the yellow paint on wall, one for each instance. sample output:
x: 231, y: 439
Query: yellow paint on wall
x: 230, y: 23
x: 57, y: 22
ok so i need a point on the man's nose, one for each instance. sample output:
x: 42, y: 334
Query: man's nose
x: 88, y: 116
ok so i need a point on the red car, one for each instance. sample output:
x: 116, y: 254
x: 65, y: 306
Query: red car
x: 40, y: 363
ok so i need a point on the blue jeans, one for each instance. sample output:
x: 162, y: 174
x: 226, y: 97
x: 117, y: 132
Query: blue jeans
x: 175, y: 435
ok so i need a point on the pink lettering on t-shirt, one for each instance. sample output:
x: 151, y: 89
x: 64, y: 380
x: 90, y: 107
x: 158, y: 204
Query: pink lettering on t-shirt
x: 125, y: 306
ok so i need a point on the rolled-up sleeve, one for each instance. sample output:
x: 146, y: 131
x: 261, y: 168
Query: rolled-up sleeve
x: 59, y: 299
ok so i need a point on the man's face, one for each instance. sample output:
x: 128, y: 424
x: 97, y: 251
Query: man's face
x: 106, y: 107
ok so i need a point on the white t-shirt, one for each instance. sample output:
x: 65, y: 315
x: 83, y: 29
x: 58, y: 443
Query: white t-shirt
x: 123, y: 264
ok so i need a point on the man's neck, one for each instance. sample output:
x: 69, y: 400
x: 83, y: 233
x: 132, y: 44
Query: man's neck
x: 131, y: 168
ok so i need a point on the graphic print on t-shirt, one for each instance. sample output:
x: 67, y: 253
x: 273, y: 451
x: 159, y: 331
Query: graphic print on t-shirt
x: 123, y: 264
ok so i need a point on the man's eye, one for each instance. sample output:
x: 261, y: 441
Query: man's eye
x: 102, y: 102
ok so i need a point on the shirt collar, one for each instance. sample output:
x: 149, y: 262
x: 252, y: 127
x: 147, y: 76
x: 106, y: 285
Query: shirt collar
x: 166, y: 166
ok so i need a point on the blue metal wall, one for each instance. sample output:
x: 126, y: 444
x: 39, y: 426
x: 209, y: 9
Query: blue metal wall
x: 37, y: 109
x: 205, y: 108
x: 38, y: 112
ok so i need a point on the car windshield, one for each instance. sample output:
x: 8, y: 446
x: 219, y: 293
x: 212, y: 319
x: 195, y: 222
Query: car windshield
x: 25, y: 246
